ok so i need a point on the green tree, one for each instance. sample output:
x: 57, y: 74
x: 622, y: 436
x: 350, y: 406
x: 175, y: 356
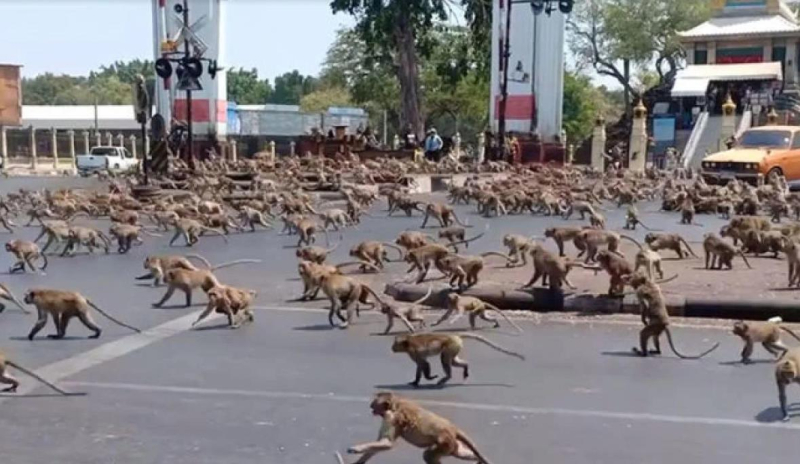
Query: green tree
x: 582, y: 104
x: 291, y: 87
x: 245, y: 88
x: 320, y: 100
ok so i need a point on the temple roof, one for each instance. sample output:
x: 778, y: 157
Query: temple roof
x: 726, y: 26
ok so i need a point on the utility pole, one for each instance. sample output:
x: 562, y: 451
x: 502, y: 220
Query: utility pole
x: 189, y: 135
x: 504, y: 59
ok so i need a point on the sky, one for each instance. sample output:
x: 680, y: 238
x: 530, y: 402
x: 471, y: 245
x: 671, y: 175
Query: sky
x: 78, y: 36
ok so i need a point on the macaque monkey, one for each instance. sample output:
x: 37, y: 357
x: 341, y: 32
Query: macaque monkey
x: 420, y: 347
x: 765, y: 241
x: 186, y: 281
x: 423, y: 257
x: 127, y: 235
x: 221, y: 221
x: 412, y: 239
x: 124, y: 217
x: 251, y: 217
x: 156, y: 265
x: 56, y: 231
x: 307, y: 229
x: 191, y: 230
x: 454, y: 234
x: 767, y: 333
x: 402, y: 418
x: 688, y: 212
x: 658, y: 242
x: 593, y: 239
x: 750, y: 222
x: 463, y: 270
x: 632, y: 219
x: 550, y: 268
x: 314, y: 253
x: 26, y: 253
x: 8, y: 379
x: 338, y: 218
x: 406, y: 314
x: 582, y: 207
x: 445, y: 214
x: 476, y: 308
x: 518, y: 248
x: 313, y: 274
x: 375, y: 252
x: 787, y: 371
x: 654, y: 317
x: 597, y: 221
x: 720, y: 252
x: 345, y: 293
x: 86, y: 236
x: 163, y: 219
x: 562, y: 235
x: 792, y: 251
x: 648, y: 259
x: 63, y: 306
x: 617, y: 268
x: 231, y: 301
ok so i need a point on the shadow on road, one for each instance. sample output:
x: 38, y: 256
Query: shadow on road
x: 33, y: 395
x: 315, y: 327
x: 435, y: 386
x: 774, y: 414
x: 740, y: 363
x: 42, y: 338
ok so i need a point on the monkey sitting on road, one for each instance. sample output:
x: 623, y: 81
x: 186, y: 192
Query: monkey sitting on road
x: 654, y: 317
x: 475, y: 307
x: 231, y: 301
x: 8, y: 379
x: 767, y: 333
x: 420, y: 347
x: 26, y: 253
x: 402, y: 418
x: 63, y: 306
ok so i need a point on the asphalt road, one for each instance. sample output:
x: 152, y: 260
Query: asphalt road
x: 288, y: 389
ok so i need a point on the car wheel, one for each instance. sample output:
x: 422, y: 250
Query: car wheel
x: 116, y: 166
x: 776, y: 171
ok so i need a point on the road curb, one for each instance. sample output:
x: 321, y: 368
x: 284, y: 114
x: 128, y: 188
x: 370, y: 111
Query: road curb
x: 546, y: 300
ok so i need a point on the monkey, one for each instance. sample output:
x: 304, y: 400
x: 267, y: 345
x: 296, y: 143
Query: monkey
x: 617, y: 268
x: 8, y: 295
x: 313, y: 274
x: 231, y: 301
x: 307, y: 229
x: 406, y: 204
x: 157, y: 264
x: 445, y: 214
x: 26, y: 253
x: 124, y: 217
x: 454, y: 234
x: 594, y: 238
x: 314, y: 253
x: 687, y: 212
x: 191, y: 230
x: 38, y: 214
x: 518, y: 248
x: 750, y: 222
x: 649, y: 259
x: 374, y: 252
x: 221, y: 221
x: 597, y: 221
x: 421, y: 258
x: 654, y: 317
x: 766, y: 241
x: 62, y: 306
x: 127, y: 235
x: 56, y: 231
x: 402, y: 418
x: 344, y: 293
x: 461, y: 269
x: 163, y: 219
x: 767, y: 333
x: 565, y: 234
x: 792, y: 251
x: 632, y: 219
x: 724, y: 209
x: 720, y: 252
x: 407, y: 314
x: 8, y: 379
x: 550, y: 268
x: 420, y: 347
x: 412, y: 239
x: 778, y: 209
x: 87, y: 237
x: 186, y: 281
x: 338, y: 218
x: 582, y: 207
x: 7, y: 223
x: 251, y: 217
x: 673, y: 242
x: 476, y: 308
x: 787, y: 371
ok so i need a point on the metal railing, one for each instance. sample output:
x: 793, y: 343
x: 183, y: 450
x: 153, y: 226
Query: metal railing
x: 694, y: 140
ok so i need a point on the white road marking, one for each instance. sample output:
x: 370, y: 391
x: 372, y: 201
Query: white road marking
x: 586, y: 413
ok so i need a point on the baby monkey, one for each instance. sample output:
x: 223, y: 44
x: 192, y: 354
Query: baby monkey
x: 232, y: 302
x: 476, y: 308
x: 767, y: 333
x: 407, y: 314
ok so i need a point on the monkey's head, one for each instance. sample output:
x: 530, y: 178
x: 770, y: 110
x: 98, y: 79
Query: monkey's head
x: 650, y: 238
x: 603, y: 257
x: 382, y: 403
x: 786, y: 371
x: 452, y: 298
x: 740, y: 328
x: 636, y: 280
x: 400, y: 344
x: 11, y: 245
x: 550, y: 233
x: 725, y: 231
x: 300, y: 253
x: 355, y: 250
x: 30, y: 297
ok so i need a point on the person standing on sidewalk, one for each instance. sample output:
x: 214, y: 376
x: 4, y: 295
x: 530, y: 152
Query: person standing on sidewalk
x: 433, y: 146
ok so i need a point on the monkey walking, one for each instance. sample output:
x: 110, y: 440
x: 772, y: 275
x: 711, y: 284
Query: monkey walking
x: 787, y: 370
x: 157, y: 265
x: 63, y: 306
x: 8, y: 379
x: 767, y: 333
x: 231, y: 301
x: 402, y: 418
x: 476, y: 308
x: 26, y: 253
x: 420, y: 347
x: 407, y: 314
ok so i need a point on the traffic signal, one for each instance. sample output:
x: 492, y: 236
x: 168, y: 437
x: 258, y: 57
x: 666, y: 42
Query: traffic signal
x: 565, y: 6
x: 537, y: 6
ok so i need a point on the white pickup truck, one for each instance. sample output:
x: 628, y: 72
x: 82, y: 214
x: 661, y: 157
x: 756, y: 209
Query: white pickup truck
x: 111, y: 158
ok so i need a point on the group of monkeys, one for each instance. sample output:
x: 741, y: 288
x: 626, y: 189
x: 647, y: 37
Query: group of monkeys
x: 541, y: 190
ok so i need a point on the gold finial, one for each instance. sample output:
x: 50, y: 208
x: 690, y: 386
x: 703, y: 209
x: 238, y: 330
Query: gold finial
x: 729, y: 107
x: 639, y: 111
x: 772, y: 117
x: 600, y: 120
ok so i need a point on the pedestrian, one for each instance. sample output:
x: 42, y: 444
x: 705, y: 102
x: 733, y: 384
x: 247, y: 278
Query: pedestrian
x: 433, y: 146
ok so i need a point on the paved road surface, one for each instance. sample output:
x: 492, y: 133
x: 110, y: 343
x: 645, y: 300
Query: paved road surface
x: 290, y: 390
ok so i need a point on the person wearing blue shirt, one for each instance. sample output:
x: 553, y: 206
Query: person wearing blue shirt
x: 433, y: 146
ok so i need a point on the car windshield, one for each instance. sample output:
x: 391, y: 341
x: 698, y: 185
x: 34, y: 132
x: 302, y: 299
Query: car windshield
x: 766, y: 139
x: 103, y: 151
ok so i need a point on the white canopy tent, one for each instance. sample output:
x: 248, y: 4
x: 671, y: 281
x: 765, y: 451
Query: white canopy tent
x: 693, y: 81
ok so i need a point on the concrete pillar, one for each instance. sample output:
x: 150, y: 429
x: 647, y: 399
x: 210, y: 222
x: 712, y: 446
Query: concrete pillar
x: 72, y: 145
x: 570, y: 153
x: 690, y: 53
x: 34, y: 160
x: 132, y: 138
x: 637, y: 150
x: 4, y: 146
x: 728, y: 120
x: 396, y: 142
x: 711, y: 49
x: 791, y: 62
x: 292, y: 148
x: 767, y: 51
x: 598, y: 143
x: 481, y: 147
x: 146, y: 144
x: 234, y: 152
x: 772, y: 117
x: 98, y: 139
x: 109, y: 139
x: 120, y: 140
x: 272, y: 150
x: 457, y: 145
x: 54, y: 147
x: 86, y: 146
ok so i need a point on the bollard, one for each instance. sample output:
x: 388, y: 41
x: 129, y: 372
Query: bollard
x: 132, y: 138
x: 4, y: 146
x: 34, y: 160
x: 481, y: 147
x: 396, y: 142
x: 109, y: 139
x: 234, y: 151
x: 98, y: 140
x: 272, y: 150
x: 120, y: 140
x: 292, y: 147
x: 570, y: 153
x: 72, y: 146
x: 54, y: 148
x: 86, y: 146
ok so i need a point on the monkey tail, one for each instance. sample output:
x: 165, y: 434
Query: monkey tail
x: 462, y: 437
x: 741, y: 253
x: 491, y: 344
x: 790, y: 332
x: 455, y: 216
x: 44, y: 261
x: 40, y: 379
x: 469, y: 240
x: 631, y: 239
x: 216, y: 231
x: 374, y: 294
x: 668, y: 279
x: 113, y: 319
x: 686, y: 244
x: 104, y: 238
x: 360, y: 263
x: 205, y: 262
x: 14, y: 299
x: 495, y: 253
x: 430, y: 290
x: 396, y: 248
x: 79, y: 213
x: 683, y: 356
x: 234, y: 263
x: 508, y: 319
x: 339, y: 458
x: 147, y: 232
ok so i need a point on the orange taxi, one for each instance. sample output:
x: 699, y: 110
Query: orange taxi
x: 760, y: 151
